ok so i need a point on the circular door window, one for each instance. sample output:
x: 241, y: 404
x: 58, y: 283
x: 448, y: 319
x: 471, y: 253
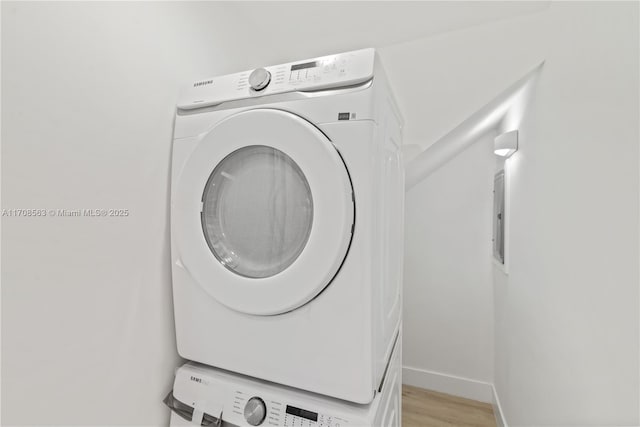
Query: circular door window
x: 262, y: 211
x: 257, y: 211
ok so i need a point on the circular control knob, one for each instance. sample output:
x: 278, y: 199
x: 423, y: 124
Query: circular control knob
x: 255, y: 411
x: 259, y: 78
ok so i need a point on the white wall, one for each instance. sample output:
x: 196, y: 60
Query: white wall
x: 448, y: 299
x: 449, y: 314
x: 566, y: 319
x: 567, y: 314
x: 88, y: 96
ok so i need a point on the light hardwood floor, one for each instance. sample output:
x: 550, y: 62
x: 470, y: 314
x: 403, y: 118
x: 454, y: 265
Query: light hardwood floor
x: 423, y: 408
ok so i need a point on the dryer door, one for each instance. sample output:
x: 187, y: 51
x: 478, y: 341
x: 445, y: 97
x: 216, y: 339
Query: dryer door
x: 263, y: 212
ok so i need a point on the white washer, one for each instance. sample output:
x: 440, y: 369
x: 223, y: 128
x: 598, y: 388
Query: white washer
x: 287, y: 224
x: 203, y: 395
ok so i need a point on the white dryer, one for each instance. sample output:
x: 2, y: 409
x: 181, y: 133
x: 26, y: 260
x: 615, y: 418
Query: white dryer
x: 287, y: 224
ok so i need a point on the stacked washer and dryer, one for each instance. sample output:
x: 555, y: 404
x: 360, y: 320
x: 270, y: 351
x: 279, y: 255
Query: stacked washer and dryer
x: 286, y: 245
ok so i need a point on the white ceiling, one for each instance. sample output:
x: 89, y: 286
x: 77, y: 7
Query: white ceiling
x: 281, y: 31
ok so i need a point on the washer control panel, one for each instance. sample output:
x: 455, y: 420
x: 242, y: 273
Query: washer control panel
x: 327, y: 72
x: 260, y: 410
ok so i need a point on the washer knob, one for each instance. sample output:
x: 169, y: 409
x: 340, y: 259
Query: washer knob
x: 255, y: 411
x: 259, y: 78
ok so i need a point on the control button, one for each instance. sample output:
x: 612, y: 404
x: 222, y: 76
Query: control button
x: 259, y: 78
x: 255, y: 411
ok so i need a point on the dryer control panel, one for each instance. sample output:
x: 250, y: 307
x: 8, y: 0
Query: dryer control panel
x: 327, y: 72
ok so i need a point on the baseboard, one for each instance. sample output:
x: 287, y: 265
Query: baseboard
x: 497, y: 409
x: 449, y: 384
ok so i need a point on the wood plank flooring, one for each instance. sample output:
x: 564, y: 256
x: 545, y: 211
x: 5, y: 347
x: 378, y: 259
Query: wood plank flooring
x: 424, y: 408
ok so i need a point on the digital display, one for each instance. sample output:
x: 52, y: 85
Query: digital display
x: 303, y: 66
x: 313, y: 416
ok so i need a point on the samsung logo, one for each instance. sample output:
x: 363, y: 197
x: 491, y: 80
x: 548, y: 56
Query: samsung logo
x: 203, y: 83
x: 199, y: 380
